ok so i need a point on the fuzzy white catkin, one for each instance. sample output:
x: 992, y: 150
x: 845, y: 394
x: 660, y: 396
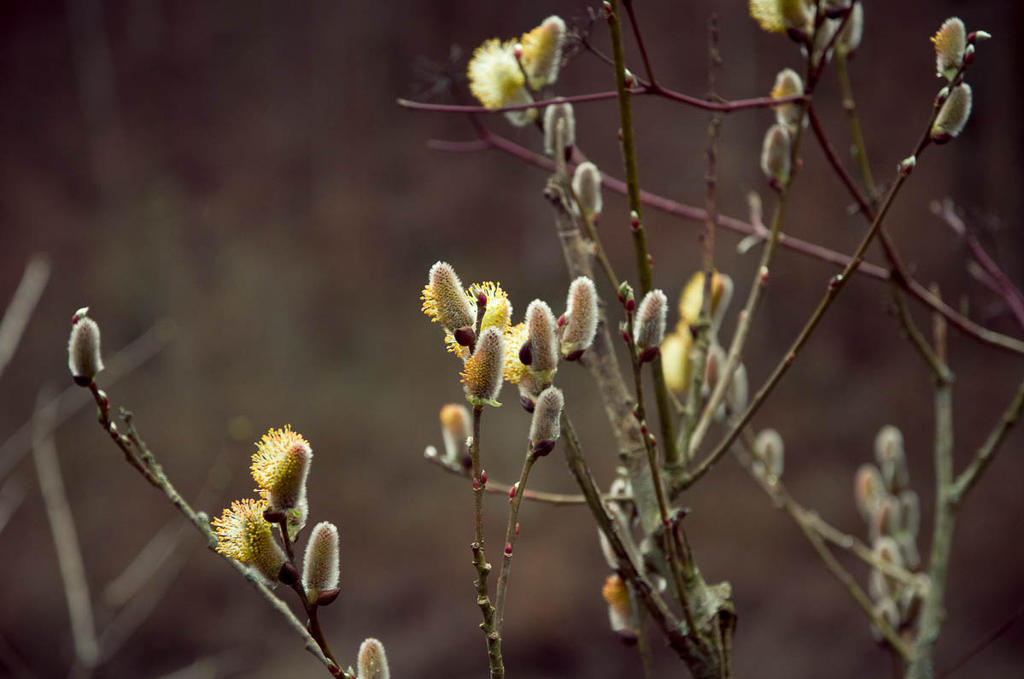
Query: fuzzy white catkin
x: 586, y: 184
x: 580, y: 316
x: 84, y: 358
x: 540, y: 329
x: 552, y: 114
x: 649, y: 330
x: 547, y: 414
x: 320, y: 571
x: 892, y: 460
x: 372, y: 662
x: 775, y: 160
x: 771, y: 450
x: 953, y: 115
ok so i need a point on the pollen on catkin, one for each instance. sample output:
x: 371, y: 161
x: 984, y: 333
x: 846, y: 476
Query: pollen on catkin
x: 373, y: 661
x: 953, y: 115
x: 950, y: 42
x: 482, y: 374
x: 456, y: 428
x: 552, y: 114
x: 620, y: 616
x: 320, y: 570
x: 515, y: 371
x: 244, y: 535
x: 542, y: 52
x: 545, y: 428
x: 280, y: 467
x: 586, y: 184
x: 84, y: 358
x: 649, y: 326
x: 788, y: 84
x: 580, y: 318
x: 444, y: 300
x: 778, y: 16
x: 540, y: 332
x: 497, y: 81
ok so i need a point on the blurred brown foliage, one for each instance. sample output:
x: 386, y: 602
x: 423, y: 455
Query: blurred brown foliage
x: 242, y: 170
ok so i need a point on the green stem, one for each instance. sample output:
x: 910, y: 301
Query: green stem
x: 860, y: 150
x: 511, y: 534
x: 643, y: 262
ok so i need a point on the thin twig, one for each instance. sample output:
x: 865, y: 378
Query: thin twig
x: 65, y: 537
x: 1006, y: 288
x: 23, y: 303
x: 142, y: 459
x: 835, y: 286
x: 666, y: 419
x: 483, y: 569
x: 511, y: 533
x: 983, y: 456
x: 72, y: 399
x: 676, y: 209
x: 499, y: 488
x: 983, y: 643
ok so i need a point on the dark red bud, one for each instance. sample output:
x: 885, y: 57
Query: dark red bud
x: 483, y: 478
x: 561, y: 320
x: 543, y: 447
x: 465, y: 336
x: 625, y: 337
x: 288, y: 575
x: 630, y: 304
x: 575, y: 355
x: 273, y: 516
x: 327, y: 597
x: 527, y: 403
x: 517, y: 528
x: 512, y: 492
x: 467, y: 462
x: 82, y: 380
x: 508, y: 548
x: 526, y: 353
x: 649, y: 354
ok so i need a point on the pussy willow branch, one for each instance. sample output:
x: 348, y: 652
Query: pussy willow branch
x: 71, y: 400
x: 638, y: 36
x: 141, y: 458
x: 899, y: 273
x: 850, y: 106
x: 660, y: 613
x: 671, y: 546
x: 703, y: 329
x: 835, y: 286
x: 933, y: 611
x: 646, y: 89
x: 983, y: 456
x: 490, y: 140
x: 809, y: 524
x: 666, y: 419
x: 511, y: 533
x: 483, y: 569
x: 746, y: 316
x: 1004, y: 286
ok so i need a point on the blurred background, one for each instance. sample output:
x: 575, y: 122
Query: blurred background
x: 234, y: 184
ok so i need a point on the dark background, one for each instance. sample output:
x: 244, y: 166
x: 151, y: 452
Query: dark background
x: 241, y: 170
